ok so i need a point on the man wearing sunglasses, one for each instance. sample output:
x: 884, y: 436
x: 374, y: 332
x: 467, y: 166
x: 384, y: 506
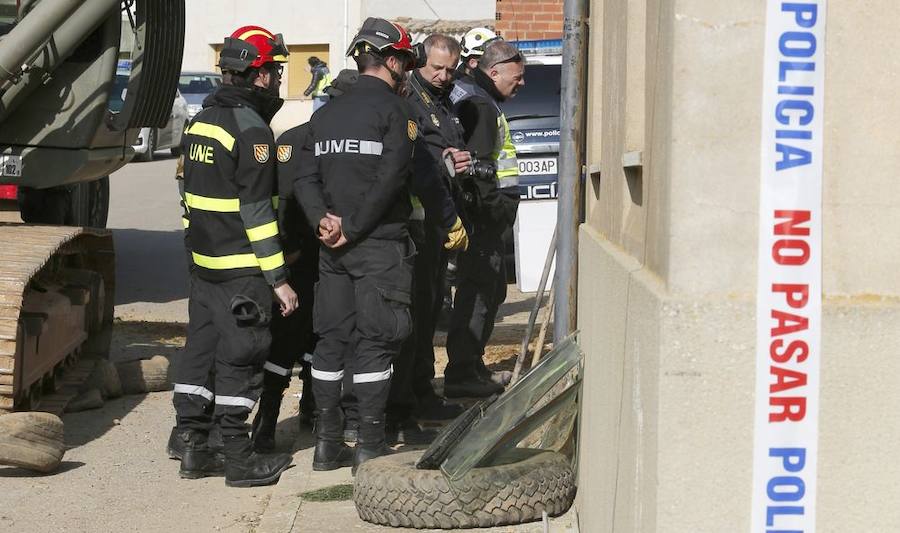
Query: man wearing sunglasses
x: 238, y: 263
x: 493, y: 182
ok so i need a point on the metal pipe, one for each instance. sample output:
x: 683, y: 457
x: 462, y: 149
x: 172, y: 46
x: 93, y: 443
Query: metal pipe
x: 29, y: 35
x: 529, y: 330
x: 65, y: 39
x: 346, y: 31
x: 571, y: 142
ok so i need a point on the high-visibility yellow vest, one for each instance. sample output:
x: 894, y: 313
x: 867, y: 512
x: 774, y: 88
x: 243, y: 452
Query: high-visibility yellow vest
x: 320, y: 87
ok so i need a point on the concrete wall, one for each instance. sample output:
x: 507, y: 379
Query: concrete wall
x: 306, y: 22
x: 668, y: 267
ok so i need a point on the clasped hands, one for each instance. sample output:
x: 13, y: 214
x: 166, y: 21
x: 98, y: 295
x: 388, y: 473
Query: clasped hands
x: 330, y: 231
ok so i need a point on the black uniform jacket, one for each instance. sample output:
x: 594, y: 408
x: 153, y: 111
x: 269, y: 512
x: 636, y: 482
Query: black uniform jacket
x: 297, y: 235
x: 478, y: 116
x: 230, y: 186
x: 357, y: 161
x: 438, y: 129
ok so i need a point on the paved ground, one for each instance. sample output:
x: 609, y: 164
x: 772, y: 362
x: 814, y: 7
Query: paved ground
x: 116, y: 476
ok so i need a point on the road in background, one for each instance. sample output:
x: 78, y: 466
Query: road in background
x: 151, y: 265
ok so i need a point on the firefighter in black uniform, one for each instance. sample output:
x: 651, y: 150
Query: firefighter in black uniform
x: 293, y: 339
x: 229, y: 184
x: 481, y: 286
x: 354, y: 186
x: 435, y: 228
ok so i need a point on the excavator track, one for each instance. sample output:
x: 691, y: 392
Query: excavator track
x: 56, y: 307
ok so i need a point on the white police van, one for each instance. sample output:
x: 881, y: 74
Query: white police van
x: 534, y: 122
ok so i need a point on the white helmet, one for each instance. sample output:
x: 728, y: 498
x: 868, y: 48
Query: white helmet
x: 474, y: 40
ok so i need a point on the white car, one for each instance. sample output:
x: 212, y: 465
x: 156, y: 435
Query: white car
x: 151, y: 140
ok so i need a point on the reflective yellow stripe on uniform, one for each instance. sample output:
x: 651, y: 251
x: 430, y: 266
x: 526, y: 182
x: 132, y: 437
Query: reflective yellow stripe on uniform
x: 219, y: 205
x: 262, y: 232
x: 212, y: 131
x: 186, y: 222
x: 226, y: 262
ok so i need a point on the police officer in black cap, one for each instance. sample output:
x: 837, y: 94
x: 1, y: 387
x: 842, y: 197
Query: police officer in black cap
x: 436, y: 227
x: 354, y: 186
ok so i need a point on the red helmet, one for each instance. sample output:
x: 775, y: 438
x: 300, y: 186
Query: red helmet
x: 252, y: 47
x: 378, y: 35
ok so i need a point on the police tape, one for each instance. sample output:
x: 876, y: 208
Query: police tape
x: 789, y: 307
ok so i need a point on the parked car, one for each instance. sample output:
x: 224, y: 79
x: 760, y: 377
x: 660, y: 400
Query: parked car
x: 533, y: 116
x: 195, y: 87
x: 152, y: 139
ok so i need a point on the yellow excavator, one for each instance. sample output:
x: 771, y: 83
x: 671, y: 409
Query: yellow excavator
x: 60, y: 139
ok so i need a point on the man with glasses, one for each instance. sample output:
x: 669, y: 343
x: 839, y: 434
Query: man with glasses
x: 238, y: 263
x: 493, y: 182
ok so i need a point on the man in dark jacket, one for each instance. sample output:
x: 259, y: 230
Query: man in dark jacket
x: 435, y: 228
x: 354, y: 186
x: 238, y: 263
x: 481, y: 286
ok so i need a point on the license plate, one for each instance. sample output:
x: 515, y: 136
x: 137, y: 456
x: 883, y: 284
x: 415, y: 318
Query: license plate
x: 537, y: 167
x: 11, y: 165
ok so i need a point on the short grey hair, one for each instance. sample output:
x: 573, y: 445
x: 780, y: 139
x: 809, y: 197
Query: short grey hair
x: 442, y: 42
x: 499, y: 51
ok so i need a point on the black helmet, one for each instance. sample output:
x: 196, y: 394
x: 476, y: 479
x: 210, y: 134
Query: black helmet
x: 378, y: 35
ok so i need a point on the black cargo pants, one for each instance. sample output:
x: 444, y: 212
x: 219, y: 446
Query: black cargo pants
x: 414, y: 366
x: 362, y: 299
x: 293, y: 340
x: 480, y: 289
x: 228, y: 340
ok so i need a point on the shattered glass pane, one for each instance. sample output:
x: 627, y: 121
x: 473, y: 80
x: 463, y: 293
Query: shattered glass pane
x: 525, y: 407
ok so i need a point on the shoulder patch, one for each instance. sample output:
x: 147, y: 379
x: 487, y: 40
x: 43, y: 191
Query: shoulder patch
x: 261, y: 152
x: 284, y: 153
x: 412, y: 130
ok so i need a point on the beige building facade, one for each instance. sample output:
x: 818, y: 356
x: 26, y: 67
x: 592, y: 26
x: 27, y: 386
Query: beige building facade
x: 668, y: 268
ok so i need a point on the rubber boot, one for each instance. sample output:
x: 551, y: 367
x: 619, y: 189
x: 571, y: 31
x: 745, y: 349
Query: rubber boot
x: 197, y: 459
x: 246, y: 468
x: 175, y: 446
x: 263, y: 428
x: 371, y: 441
x: 331, y: 453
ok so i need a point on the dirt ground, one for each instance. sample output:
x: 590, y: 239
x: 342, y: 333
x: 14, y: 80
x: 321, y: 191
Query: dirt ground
x: 116, y: 476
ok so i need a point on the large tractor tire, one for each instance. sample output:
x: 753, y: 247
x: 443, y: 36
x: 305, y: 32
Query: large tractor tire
x: 390, y: 491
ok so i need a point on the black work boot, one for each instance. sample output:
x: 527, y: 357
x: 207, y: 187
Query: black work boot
x: 197, y: 459
x: 472, y: 387
x: 331, y: 453
x: 434, y: 408
x: 176, y: 444
x: 371, y: 441
x: 246, y: 468
x: 500, y: 377
x: 407, y: 431
x: 263, y: 428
